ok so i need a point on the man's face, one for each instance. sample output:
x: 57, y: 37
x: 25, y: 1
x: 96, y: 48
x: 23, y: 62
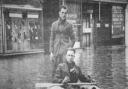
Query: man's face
x: 63, y: 13
x: 70, y: 56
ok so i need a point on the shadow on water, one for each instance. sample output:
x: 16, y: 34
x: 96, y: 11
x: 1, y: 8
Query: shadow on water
x: 109, y: 66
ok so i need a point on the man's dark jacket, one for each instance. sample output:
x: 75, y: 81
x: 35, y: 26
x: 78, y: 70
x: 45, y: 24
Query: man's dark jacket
x: 63, y: 70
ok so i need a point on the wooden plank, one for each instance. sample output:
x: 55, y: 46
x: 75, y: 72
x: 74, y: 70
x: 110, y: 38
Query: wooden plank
x: 46, y: 85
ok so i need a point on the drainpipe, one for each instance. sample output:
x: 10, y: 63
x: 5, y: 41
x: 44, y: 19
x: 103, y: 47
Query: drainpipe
x: 126, y: 26
x: 2, y: 27
x: 99, y: 10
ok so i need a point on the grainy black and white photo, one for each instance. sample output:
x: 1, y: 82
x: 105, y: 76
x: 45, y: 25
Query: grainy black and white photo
x: 63, y: 44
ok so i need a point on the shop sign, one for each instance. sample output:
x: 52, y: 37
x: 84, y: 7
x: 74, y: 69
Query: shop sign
x: 15, y: 15
x: 106, y: 25
x: 90, y: 11
x: 72, y: 16
x: 33, y: 16
x: 98, y: 25
x: 87, y: 30
x: 72, y: 21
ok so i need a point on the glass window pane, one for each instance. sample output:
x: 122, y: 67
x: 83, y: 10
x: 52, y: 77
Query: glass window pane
x: 1, y: 44
x: 22, y: 33
x: 35, y: 34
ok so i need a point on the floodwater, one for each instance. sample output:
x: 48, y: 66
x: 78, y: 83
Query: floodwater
x: 107, y: 65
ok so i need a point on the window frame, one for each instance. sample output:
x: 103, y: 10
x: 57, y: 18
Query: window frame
x: 4, y: 51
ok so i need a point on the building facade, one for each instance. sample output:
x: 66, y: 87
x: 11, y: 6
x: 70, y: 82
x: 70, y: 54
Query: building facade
x: 22, y: 60
x: 98, y: 22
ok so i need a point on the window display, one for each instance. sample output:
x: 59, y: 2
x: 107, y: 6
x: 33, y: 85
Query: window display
x: 1, y: 26
x: 35, y: 34
x: 22, y: 32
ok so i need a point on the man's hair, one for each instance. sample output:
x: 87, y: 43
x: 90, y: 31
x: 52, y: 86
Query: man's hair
x: 63, y: 6
x: 71, y: 49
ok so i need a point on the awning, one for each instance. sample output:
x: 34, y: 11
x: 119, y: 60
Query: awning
x: 36, y: 3
x: 23, y: 7
x: 112, y: 1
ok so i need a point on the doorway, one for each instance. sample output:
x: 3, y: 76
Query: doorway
x: 88, y: 23
x: 102, y: 24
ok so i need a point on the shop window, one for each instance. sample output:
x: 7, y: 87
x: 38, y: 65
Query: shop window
x: 22, y: 31
x: 35, y: 34
x: 1, y: 41
x: 117, y: 21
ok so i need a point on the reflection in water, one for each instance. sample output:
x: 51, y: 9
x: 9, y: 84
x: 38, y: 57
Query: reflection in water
x: 118, y: 67
x: 87, y: 61
x: 107, y: 66
x: 103, y: 67
x: 126, y: 62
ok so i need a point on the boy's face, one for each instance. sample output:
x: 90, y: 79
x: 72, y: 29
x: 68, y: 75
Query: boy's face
x: 70, y: 56
x: 63, y: 13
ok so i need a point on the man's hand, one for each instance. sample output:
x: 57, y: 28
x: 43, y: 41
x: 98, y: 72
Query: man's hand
x: 74, y: 70
x: 66, y: 80
x: 51, y: 57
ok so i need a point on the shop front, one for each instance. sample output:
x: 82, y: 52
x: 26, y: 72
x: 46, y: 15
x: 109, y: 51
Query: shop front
x: 109, y: 23
x: 22, y: 59
x: 101, y: 22
x: 21, y: 29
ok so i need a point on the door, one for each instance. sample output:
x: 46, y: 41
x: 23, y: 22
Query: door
x: 88, y: 23
x: 102, y: 24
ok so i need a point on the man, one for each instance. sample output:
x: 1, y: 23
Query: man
x: 69, y: 72
x: 61, y: 38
